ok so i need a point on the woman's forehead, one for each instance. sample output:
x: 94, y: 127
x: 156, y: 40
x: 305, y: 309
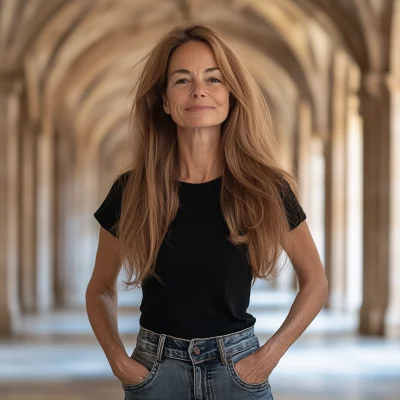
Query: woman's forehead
x: 192, y: 55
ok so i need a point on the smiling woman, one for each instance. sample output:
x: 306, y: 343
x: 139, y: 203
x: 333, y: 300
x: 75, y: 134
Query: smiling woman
x: 204, y: 210
x: 196, y: 97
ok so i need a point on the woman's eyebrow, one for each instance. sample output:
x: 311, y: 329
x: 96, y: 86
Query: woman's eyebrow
x: 186, y: 71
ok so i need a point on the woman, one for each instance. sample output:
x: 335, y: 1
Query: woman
x: 203, y: 211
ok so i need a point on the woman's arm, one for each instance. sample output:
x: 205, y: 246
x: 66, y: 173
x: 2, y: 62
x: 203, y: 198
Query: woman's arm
x: 312, y: 295
x: 102, y: 301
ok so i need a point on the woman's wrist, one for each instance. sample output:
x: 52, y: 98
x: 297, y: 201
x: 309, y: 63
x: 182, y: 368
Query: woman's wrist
x: 117, y: 358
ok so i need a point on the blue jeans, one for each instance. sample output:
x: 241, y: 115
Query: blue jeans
x: 197, y: 369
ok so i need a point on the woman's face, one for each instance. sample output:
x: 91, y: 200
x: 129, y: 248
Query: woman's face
x: 194, y: 79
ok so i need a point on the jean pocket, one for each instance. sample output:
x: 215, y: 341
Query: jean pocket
x: 148, y: 360
x: 236, y: 357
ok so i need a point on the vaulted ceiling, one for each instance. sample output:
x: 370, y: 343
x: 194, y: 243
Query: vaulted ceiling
x: 77, y: 57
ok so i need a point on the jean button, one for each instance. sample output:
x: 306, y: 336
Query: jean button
x: 196, y: 350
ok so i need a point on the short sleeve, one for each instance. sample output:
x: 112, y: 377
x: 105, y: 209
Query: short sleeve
x: 294, y: 211
x: 109, y: 212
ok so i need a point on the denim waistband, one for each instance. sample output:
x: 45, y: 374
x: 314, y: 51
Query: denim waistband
x: 196, y: 350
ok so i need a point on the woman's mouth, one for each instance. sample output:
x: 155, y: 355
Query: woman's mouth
x: 199, y: 108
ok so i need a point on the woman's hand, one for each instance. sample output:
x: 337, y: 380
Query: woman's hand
x: 253, y: 368
x: 131, y: 372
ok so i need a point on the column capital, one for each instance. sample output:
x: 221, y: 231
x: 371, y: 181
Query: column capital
x: 375, y: 83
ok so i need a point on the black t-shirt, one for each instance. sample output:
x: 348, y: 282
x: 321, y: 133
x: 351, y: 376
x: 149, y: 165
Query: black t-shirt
x: 207, y: 279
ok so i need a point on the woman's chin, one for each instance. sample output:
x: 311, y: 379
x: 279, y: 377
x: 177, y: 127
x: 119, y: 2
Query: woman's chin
x: 201, y: 124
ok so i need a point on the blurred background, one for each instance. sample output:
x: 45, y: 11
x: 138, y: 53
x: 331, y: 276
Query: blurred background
x: 330, y: 70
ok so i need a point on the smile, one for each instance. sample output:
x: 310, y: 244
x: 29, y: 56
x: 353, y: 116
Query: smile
x: 199, y: 108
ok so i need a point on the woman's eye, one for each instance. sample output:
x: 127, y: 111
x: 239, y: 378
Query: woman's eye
x: 184, y: 79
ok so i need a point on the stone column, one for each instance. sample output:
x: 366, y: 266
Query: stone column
x: 354, y: 198
x: 375, y: 109
x: 303, y: 152
x: 335, y: 184
x: 314, y: 208
x: 65, y: 239
x: 392, y: 319
x: 45, y: 221
x: 11, y: 88
x: 28, y: 214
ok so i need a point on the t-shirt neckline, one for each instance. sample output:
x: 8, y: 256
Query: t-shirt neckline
x: 200, y: 183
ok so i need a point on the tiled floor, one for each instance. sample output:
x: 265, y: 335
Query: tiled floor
x: 57, y: 357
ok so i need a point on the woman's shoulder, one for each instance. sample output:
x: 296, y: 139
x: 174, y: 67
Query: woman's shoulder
x: 121, y: 179
x: 123, y: 176
x: 118, y: 185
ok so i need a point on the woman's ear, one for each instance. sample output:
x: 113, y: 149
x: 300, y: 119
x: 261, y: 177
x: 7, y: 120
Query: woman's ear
x: 165, y: 103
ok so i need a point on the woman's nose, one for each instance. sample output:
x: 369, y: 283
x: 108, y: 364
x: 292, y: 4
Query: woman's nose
x: 198, y: 89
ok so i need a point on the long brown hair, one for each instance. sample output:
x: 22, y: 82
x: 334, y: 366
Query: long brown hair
x: 252, y: 172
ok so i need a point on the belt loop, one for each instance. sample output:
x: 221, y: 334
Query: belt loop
x: 220, y: 343
x: 160, y: 347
